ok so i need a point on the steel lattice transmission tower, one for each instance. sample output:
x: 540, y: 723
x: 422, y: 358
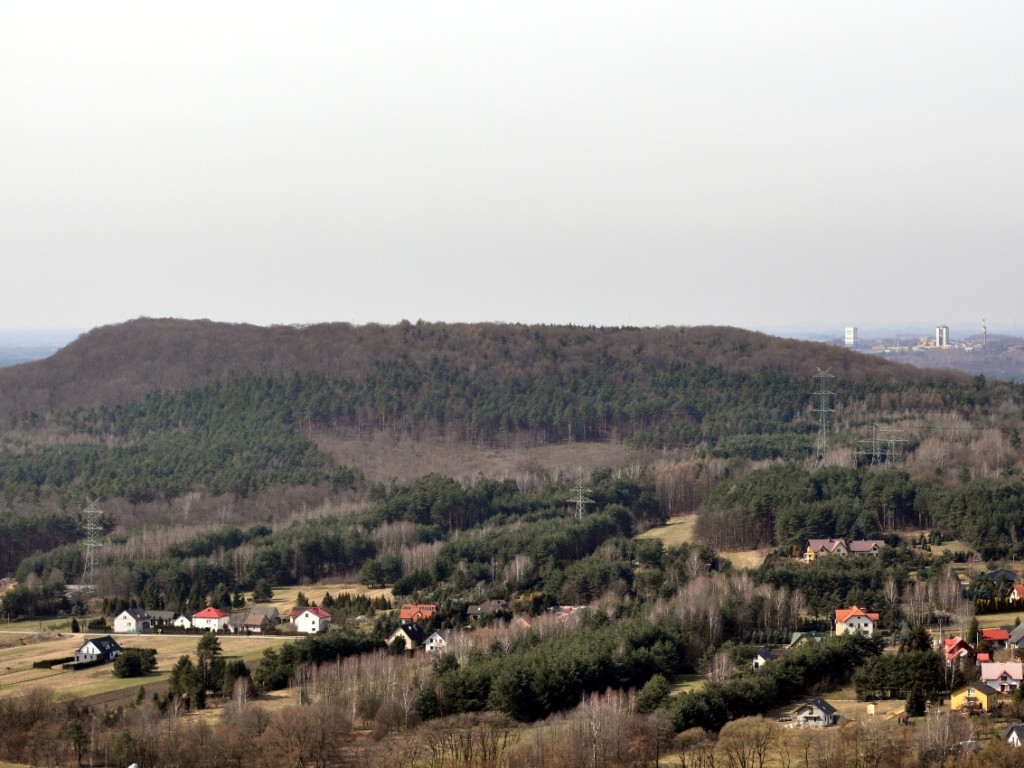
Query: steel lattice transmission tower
x: 886, y: 444
x: 93, y: 531
x: 579, y: 495
x: 824, y: 407
x: 875, y: 451
x: 894, y: 443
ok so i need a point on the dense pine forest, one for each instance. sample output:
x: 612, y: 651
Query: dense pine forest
x: 233, y: 460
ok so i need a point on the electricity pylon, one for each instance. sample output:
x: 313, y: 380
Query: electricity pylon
x: 579, y: 496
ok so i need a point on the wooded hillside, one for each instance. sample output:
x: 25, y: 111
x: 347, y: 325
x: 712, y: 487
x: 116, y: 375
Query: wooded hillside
x: 155, y: 409
x: 118, y: 363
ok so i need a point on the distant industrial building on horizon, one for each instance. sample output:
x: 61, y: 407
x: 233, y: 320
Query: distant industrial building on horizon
x: 940, y: 340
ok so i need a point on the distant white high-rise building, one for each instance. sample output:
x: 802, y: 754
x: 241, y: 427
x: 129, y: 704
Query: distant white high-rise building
x: 942, y: 336
x: 851, y: 337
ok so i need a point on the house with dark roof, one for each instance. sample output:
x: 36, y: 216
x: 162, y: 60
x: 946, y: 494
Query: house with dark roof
x: 1013, y: 735
x: 973, y: 696
x: 486, y: 608
x: 105, y: 648
x: 817, y: 712
x: 133, y: 620
x: 269, y: 611
x: 438, y: 641
x: 1001, y: 573
x: 161, y: 618
x: 762, y: 656
x: 1016, y: 639
x: 184, y: 621
x: 410, y: 634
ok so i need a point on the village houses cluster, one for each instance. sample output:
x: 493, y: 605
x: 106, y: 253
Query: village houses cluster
x: 257, y: 620
x: 996, y: 681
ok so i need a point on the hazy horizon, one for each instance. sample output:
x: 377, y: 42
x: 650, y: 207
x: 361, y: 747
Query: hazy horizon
x: 662, y: 163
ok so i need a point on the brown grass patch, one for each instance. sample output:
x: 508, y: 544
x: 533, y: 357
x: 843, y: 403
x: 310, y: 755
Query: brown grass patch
x: 383, y: 456
x: 285, y: 598
x: 747, y: 559
x: 678, y: 530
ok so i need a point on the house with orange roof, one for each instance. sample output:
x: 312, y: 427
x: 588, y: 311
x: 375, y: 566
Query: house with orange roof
x: 415, y: 612
x: 850, y: 620
x: 213, y: 619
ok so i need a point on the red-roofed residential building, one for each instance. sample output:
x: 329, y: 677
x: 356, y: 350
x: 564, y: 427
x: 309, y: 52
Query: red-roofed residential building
x: 998, y: 637
x: 312, y: 621
x: 849, y: 620
x: 1016, y: 593
x: 957, y: 650
x: 211, y: 618
x: 410, y: 612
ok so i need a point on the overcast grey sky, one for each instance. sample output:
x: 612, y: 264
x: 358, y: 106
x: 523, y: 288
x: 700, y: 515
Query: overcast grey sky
x: 678, y: 163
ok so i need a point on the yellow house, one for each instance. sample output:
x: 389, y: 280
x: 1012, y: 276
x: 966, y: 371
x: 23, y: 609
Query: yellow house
x: 974, y: 695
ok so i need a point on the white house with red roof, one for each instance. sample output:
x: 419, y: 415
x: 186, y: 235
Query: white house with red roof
x: 850, y: 620
x: 1004, y: 676
x: 213, y: 619
x: 313, y: 621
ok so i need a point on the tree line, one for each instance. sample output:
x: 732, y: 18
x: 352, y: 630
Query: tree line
x: 786, y: 504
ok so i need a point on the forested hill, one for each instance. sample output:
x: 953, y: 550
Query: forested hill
x: 120, y: 363
x: 153, y: 408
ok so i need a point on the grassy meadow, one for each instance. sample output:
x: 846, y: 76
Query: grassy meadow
x: 680, y: 530
x: 98, y: 683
